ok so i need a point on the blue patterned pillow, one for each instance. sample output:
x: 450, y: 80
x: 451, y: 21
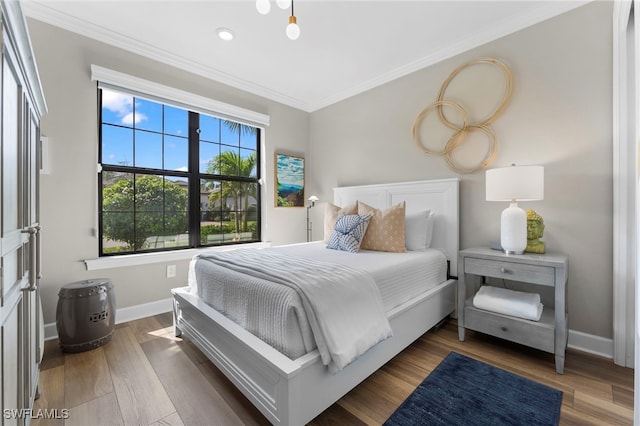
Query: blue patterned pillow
x: 349, y: 232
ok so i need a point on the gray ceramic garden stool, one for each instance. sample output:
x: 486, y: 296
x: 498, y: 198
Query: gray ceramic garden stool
x: 85, y: 314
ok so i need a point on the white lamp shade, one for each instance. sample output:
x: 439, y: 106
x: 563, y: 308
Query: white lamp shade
x: 523, y: 183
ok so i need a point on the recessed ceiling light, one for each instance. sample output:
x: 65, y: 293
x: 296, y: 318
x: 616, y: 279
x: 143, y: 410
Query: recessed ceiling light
x: 225, y: 34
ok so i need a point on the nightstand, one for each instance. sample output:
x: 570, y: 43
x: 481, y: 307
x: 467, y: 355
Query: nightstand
x: 550, y: 270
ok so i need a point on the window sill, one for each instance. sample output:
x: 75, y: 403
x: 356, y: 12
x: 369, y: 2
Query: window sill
x: 109, y: 262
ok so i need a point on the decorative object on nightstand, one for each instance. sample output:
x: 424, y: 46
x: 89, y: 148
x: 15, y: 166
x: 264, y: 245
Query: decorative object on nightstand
x: 535, y: 230
x: 513, y: 184
x: 550, y: 332
x: 312, y: 202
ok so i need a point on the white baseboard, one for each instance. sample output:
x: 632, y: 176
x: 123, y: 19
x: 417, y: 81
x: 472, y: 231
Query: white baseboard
x: 577, y: 340
x: 590, y: 343
x: 129, y: 313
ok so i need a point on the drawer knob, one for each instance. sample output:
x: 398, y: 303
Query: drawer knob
x: 504, y: 270
x: 503, y: 328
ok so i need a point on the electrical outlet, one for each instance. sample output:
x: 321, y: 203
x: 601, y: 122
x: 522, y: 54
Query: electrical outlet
x: 171, y: 271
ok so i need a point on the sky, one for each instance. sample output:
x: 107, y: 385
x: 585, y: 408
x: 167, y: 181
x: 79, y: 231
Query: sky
x: 290, y: 170
x: 160, y: 134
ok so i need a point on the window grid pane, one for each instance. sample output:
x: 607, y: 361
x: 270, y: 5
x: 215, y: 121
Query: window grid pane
x: 145, y: 182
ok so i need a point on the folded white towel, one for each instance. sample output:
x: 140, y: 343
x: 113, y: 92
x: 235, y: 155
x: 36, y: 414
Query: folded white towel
x: 509, y: 302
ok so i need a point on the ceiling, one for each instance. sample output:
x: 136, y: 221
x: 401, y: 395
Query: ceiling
x: 345, y: 47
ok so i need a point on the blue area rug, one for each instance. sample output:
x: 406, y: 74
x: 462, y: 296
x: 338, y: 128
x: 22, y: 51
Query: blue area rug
x: 463, y: 391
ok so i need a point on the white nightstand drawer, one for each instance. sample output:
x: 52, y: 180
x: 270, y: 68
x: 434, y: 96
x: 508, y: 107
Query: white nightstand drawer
x: 534, y: 274
x: 539, y: 335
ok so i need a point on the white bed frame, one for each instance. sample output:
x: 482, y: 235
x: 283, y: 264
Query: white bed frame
x: 293, y: 392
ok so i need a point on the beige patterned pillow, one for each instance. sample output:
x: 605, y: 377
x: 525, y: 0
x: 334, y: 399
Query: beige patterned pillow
x: 331, y: 213
x: 386, y: 231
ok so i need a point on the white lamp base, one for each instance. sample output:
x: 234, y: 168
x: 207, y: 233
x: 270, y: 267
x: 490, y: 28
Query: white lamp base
x: 513, y: 229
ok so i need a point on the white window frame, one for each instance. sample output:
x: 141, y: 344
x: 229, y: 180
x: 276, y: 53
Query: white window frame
x: 114, y: 80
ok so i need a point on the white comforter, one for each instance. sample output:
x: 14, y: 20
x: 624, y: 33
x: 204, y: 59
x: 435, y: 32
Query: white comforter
x: 342, y: 304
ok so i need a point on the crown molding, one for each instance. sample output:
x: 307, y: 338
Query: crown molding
x: 547, y: 10
x: 16, y: 26
x: 41, y: 12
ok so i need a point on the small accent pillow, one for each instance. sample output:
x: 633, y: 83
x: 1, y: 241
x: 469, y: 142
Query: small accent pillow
x: 348, y: 232
x: 419, y: 227
x: 386, y: 231
x: 331, y: 214
x: 430, y: 222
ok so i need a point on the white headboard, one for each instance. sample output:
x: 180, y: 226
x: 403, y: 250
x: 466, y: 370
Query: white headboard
x: 441, y: 196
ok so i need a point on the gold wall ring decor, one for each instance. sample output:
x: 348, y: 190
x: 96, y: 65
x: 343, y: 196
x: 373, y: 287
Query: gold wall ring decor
x: 508, y: 78
x: 462, y: 130
x: 490, y: 154
x: 451, y: 143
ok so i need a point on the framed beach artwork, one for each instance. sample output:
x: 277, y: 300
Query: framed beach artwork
x: 289, y: 172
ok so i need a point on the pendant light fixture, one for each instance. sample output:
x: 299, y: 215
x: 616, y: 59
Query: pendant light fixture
x: 263, y: 6
x: 283, y: 4
x: 292, y: 30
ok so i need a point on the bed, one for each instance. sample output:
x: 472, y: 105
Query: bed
x: 294, y: 390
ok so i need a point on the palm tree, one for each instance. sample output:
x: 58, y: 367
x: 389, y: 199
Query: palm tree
x: 240, y: 128
x: 230, y: 163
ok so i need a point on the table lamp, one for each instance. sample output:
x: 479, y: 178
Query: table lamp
x: 312, y: 202
x: 513, y: 184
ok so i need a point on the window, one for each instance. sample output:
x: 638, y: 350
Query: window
x: 173, y: 178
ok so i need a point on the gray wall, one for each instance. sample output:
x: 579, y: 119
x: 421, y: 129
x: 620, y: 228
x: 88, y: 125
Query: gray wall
x: 69, y: 193
x: 559, y: 116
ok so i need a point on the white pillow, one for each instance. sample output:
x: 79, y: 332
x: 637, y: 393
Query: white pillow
x: 419, y: 230
x: 430, y: 221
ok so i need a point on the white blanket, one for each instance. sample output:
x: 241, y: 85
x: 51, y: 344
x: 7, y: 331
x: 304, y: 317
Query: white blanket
x: 343, y: 305
x: 509, y: 302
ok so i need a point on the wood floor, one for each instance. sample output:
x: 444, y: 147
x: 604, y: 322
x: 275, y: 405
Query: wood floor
x: 145, y: 376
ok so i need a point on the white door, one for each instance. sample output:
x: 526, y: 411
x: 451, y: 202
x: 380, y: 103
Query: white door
x: 33, y: 324
x: 19, y: 303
